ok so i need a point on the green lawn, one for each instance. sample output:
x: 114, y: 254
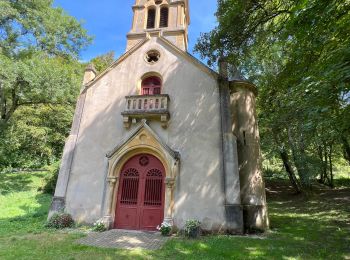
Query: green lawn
x: 313, y: 229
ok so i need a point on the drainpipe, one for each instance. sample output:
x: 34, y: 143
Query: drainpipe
x: 231, y: 180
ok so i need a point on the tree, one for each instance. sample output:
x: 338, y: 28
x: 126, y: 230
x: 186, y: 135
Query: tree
x: 39, y: 47
x: 297, y: 53
x: 102, y: 62
x: 34, y: 136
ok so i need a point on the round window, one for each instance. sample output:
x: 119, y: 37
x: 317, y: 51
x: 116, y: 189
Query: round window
x: 152, y: 56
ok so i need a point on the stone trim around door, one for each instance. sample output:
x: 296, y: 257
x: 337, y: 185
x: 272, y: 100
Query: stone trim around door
x: 141, y: 141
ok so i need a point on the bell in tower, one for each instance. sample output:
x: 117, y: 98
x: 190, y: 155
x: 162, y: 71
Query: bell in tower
x: 167, y: 18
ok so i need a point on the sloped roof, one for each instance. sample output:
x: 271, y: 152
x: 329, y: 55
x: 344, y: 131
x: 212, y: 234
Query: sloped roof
x: 184, y: 54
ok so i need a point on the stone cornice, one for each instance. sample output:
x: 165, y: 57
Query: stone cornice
x: 234, y: 84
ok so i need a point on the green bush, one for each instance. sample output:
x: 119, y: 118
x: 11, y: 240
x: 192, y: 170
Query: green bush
x: 60, y: 221
x: 34, y: 136
x: 99, y: 226
x: 165, y: 229
x: 192, y: 228
x: 50, y: 180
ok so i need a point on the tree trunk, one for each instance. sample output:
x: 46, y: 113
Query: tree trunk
x: 331, y: 183
x: 2, y: 103
x: 326, y: 157
x: 287, y: 165
x: 323, y: 168
x: 289, y: 169
x: 299, y: 161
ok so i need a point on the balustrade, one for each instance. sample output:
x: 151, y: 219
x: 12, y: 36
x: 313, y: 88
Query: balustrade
x: 147, y: 107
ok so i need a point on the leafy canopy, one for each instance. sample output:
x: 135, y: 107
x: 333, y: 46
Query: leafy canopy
x: 297, y: 52
x: 39, y: 47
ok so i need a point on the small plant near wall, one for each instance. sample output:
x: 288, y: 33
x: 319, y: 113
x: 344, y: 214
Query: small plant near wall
x: 165, y: 229
x: 99, y: 226
x: 192, y: 228
x: 60, y: 221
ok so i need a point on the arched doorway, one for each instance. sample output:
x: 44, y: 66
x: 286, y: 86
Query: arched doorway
x: 140, y: 198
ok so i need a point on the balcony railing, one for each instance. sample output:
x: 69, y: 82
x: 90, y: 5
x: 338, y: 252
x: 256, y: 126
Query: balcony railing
x: 147, y: 107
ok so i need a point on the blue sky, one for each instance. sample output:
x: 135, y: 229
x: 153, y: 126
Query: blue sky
x: 110, y: 20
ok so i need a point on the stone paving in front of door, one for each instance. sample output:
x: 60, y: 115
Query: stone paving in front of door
x: 125, y: 239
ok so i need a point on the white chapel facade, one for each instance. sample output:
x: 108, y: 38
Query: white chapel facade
x: 159, y: 136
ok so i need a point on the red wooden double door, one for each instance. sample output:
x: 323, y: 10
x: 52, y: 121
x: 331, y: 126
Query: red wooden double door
x: 141, y: 192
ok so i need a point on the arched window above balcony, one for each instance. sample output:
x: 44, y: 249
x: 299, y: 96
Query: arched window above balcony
x: 151, y: 86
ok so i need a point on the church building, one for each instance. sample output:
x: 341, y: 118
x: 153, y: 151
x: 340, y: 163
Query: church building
x: 161, y: 137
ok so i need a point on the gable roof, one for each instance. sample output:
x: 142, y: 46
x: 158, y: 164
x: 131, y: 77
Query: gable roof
x: 184, y: 54
x: 135, y: 132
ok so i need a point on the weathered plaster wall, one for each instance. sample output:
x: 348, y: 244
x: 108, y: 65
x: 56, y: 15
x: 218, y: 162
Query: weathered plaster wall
x: 194, y: 131
x: 245, y: 127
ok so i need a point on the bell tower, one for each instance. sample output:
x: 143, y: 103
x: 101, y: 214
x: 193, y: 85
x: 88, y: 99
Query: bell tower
x: 168, y: 18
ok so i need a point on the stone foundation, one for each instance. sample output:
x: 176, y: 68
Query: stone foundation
x: 57, y: 205
x: 234, y: 219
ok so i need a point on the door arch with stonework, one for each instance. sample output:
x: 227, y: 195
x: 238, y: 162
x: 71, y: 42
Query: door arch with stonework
x: 141, y: 194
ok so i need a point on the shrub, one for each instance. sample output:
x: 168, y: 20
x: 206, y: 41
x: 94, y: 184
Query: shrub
x: 192, y: 228
x: 99, y: 226
x: 50, y: 180
x: 165, y: 229
x: 60, y: 221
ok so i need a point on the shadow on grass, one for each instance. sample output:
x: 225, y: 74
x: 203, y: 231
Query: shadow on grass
x: 32, y: 221
x: 18, y: 182
x: 317, y: 227
x: 309, y: 230
x: 342, y: 182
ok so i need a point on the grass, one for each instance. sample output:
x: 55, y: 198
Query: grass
x: 314, y: 229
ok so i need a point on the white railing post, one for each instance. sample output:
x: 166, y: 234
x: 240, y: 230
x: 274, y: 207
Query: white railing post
x: 146, y: 103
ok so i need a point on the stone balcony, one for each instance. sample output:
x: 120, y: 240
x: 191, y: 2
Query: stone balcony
x: 155, y: 107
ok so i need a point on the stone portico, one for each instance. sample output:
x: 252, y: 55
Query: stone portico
x: 141, y: 140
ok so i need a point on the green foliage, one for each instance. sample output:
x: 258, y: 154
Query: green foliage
x: 39, y: 47
x: 23, y: 209
x: 37, y: 25
x: 297, y: 54
x: 50, y: 180
x: 60, y: 221
x: 315, y: 229
x: 192, y: 228
x: 35, y: 136
x: 102, y: 62
x: 40, y: 78
x: 37, y: 79
x: 165, y: 229
x: 99, y: 226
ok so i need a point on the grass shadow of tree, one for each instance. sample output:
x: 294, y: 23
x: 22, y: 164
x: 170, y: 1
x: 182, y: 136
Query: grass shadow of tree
x: 32, y: 221
x: 317, y: 227
x: 18, y: 182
